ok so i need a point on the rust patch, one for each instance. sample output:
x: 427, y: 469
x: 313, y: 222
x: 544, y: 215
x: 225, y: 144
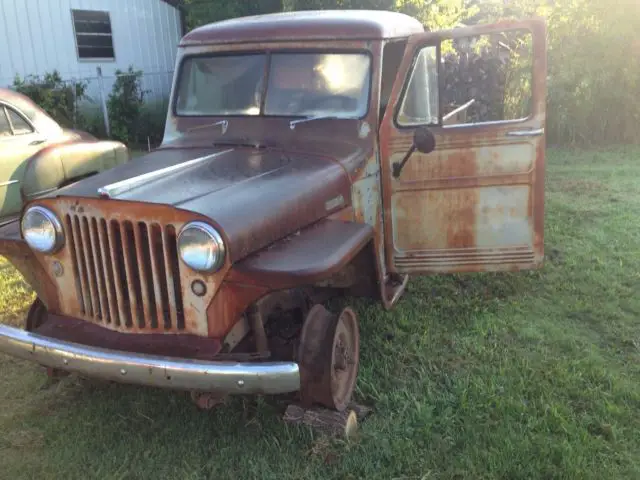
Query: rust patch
x: 538, y: 200
x: 121, y: 267
x: 452, y: 210
x: 461, y: 219
x: 227, y: 306
x: 346, y: 214
x: 310, y: 256
x: 16, y: 251
x: 85, y: 333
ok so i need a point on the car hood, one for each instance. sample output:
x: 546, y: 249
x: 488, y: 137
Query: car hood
x: 256, y: 196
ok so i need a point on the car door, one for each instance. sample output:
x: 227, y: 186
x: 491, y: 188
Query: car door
x: 18, y: 141
x: 475, y: 202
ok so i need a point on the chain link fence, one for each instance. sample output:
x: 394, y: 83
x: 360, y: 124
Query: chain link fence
x: 154, y: 86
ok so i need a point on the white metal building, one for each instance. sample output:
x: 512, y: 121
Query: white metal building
x: 78, y: 37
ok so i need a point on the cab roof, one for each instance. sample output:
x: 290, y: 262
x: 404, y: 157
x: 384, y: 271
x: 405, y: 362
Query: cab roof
x: 306, y: 25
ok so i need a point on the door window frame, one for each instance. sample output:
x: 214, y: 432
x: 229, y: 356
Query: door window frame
x: 405, y: 87
x: 437, y: 43
x: 5, y: 109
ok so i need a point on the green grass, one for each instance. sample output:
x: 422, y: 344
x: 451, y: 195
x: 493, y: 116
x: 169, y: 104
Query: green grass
x: 524, y: 375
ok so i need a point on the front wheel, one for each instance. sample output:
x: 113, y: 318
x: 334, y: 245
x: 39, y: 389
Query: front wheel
x: 328, y: 355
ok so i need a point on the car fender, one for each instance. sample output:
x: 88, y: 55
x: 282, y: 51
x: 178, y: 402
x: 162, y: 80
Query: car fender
x: 55, y: 165
x: 17, y: 252
x: 310, y: 256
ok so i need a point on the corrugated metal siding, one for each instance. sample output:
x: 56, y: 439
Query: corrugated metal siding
x: 36, y: 36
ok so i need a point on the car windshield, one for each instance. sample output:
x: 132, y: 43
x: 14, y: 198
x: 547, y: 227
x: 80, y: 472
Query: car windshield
x: 296, y: 84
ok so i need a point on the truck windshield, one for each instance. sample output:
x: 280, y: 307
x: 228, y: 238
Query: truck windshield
x: 294, y: 84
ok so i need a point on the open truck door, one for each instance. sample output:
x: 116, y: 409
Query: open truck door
x: 475, y: 201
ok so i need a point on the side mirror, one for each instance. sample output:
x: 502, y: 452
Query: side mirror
x: 423, y: 141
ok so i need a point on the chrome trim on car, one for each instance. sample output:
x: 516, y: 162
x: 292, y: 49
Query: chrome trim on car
x: 151, y: 370
x: 214, y: 236
x: 526, y: 133
x: 41, y: 192
x: 10, y: 182
x: 57, y: 226
x: 123, y: 186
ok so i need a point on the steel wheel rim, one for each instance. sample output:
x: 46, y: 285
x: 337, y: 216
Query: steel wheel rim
x: 344, y: 358
x: 328, y: 357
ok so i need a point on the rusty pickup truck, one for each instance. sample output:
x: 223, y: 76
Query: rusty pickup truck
x: 306, y: 156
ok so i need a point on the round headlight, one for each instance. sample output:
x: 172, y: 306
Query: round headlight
x: 42, y: 230
x: 201, y: 247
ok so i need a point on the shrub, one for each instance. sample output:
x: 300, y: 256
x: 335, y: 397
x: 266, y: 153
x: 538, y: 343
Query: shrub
x: 54, y: 95
x: 152, y: 122
x: 125, y: 104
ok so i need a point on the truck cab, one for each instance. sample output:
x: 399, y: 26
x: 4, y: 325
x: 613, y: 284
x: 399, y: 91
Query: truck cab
x: 306, y: 156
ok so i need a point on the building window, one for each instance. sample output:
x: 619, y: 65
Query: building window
x: 94, y: 40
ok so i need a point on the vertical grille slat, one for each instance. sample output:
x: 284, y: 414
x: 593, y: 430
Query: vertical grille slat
x: 128, y: 244
x: 99, y: 270
x: 174, y: 269
x: 161, y: 300
x: 88, y: 263
x: 122, y: 291
x: 142, y: 264
x: 80, y: 259
x: 127, y: 274
x: 171, y: 293
x: 107, y: 268
x: 80, y: 292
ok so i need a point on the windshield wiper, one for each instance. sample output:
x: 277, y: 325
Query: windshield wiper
x: 293, y: 123
x: 223, y: 123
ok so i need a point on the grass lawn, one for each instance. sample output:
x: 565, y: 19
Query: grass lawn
x: 526, y: 375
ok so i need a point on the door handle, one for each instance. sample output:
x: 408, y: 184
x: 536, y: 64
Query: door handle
x: 37, y: 142
x: 526, y: 133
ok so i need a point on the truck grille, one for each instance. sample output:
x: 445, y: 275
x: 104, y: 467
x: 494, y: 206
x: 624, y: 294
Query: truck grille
x: 126, y: 273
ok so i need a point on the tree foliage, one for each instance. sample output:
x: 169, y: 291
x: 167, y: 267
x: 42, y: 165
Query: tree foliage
x: 125, y: 104
x: 593, y: 66
x: 54, y: 95
x: 201, y: 12
x: 433, y: 13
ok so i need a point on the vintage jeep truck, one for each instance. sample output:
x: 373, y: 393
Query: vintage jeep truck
x: 306, y: 155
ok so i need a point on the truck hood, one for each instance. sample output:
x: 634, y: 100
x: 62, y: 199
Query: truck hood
x: 256, y: 196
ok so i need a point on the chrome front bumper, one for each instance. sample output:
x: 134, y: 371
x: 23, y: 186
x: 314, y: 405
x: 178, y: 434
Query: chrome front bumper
x: 151, y: 370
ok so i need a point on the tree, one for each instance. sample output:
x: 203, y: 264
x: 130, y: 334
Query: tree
x: 434, y: 14
x: 201, y: 12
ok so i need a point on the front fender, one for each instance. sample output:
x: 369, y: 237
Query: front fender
x: 56, y: 164
x: 311, y: 256
x: 15, y: 249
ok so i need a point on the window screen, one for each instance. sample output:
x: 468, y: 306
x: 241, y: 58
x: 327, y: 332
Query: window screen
x: 93, y: 34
